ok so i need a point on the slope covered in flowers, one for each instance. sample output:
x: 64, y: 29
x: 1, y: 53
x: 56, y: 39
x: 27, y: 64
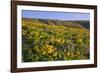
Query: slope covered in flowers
x: 43, y: 42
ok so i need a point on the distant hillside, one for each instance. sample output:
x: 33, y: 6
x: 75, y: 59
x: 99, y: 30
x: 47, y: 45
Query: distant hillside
x: 73, y: 24
x: 86, y: 24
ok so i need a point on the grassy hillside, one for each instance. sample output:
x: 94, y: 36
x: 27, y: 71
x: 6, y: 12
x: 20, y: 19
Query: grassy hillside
x: 51, y: 41
x: 74, y: 24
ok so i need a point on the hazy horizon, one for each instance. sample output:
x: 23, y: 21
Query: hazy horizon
x: 53, y: 19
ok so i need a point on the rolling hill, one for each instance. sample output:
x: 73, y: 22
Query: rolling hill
x: 73, y: 24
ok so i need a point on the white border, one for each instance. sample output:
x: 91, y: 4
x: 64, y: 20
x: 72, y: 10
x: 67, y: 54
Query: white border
x: 53, y: 63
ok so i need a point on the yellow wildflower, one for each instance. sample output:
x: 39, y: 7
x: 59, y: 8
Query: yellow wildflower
x: 78, y: 52
x: 68, y: 53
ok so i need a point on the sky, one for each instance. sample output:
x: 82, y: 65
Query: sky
x: 55, y: 15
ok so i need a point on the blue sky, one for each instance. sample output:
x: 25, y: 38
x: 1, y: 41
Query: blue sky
x: 55, y: 15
